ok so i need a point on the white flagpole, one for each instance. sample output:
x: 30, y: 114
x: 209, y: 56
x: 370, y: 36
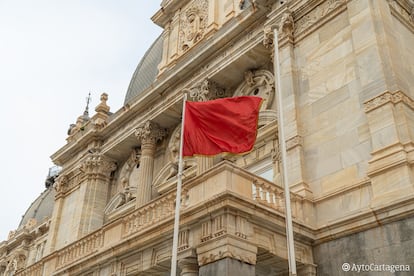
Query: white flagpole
x: 289, y: 225
x: 178, y: 196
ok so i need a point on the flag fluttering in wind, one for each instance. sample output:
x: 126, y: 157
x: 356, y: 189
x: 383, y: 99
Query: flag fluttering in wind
x: 209, y: 128
x: 222, y: 125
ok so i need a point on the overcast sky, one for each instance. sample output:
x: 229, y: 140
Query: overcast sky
x: 52, y: 54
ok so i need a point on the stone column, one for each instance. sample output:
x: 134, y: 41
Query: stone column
x: 149, y: 134
x: 60, y: 187
x: 188, y: 266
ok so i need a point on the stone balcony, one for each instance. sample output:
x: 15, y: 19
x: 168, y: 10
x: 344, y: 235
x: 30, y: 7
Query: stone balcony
x: 226, y: 212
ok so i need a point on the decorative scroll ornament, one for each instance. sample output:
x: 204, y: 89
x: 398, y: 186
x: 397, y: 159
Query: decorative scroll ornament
x: 205, y: 91
x: 286, y: 26
x: 268, y: 37
x: 193, y: 23
x: 61, y: 183
x: 150, y: 132
x: 258, y: 83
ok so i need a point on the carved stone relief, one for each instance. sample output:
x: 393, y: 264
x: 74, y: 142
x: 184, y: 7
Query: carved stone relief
x: 171, y: 168
x: 258, y: 83
x: 193, y: 23
x: 286, y: 26
x: 61, y: 183
x: 205, y: 91
x: 124, y: 191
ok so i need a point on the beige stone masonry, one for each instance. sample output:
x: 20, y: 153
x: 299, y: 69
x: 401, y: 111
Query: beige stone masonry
x: 390, y: 117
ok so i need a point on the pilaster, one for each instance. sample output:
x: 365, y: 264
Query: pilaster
x: 95, y: 179
x: 289, y: 94
x: 149, y: 134
x: 392, y: 138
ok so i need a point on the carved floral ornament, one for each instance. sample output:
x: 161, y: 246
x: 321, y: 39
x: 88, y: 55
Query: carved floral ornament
x: 388, y: 97
x: 193, y: 23
x: 206, y: 90
x: 61, y: 183
x: 96, y: 163
x: 150, y: 133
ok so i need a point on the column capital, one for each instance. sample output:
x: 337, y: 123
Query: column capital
x: 188, y: 266
x: 150, y: 133
x: 98, y: 164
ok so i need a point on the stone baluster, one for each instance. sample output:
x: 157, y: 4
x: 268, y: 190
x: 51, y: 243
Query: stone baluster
x: 149, y: 134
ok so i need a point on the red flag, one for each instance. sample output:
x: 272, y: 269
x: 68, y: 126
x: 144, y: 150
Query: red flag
x: 222, y: 125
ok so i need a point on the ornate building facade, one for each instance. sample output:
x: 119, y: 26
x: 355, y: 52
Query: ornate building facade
x: 347, y: 79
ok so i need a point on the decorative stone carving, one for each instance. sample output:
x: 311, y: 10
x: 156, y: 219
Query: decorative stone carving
x: 127, y: 168
x: 61, y: 183
x: 258, y: 83
x: 388, y: 97
x: 286, y: 26
x: 205, y: 91
x: 150, y: 132
x: 193, y: 23
x: 268, y: 37
x: 318, y: 15
x: 174, y: 145
x: 97, y: 165
x: 16, y: 263
x: 404, y: 12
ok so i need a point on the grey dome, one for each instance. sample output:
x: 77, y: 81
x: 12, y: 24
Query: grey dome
x: 147, y: 70
x: 41, y: 208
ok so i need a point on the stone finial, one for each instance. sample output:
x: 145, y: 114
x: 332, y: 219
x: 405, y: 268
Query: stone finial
x: 102, y: 107
x: 150, y: 132
x: 102, y: 113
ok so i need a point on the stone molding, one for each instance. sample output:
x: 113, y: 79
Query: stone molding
x: 388, y: 97
x: 404, y: 12
x: 317, y: 17
x: 226, y: 247
x: 294, y: 142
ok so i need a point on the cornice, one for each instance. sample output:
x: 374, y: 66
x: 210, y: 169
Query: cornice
x: 386, y: 98
x: 404, y: 12
x: 307, y: 16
